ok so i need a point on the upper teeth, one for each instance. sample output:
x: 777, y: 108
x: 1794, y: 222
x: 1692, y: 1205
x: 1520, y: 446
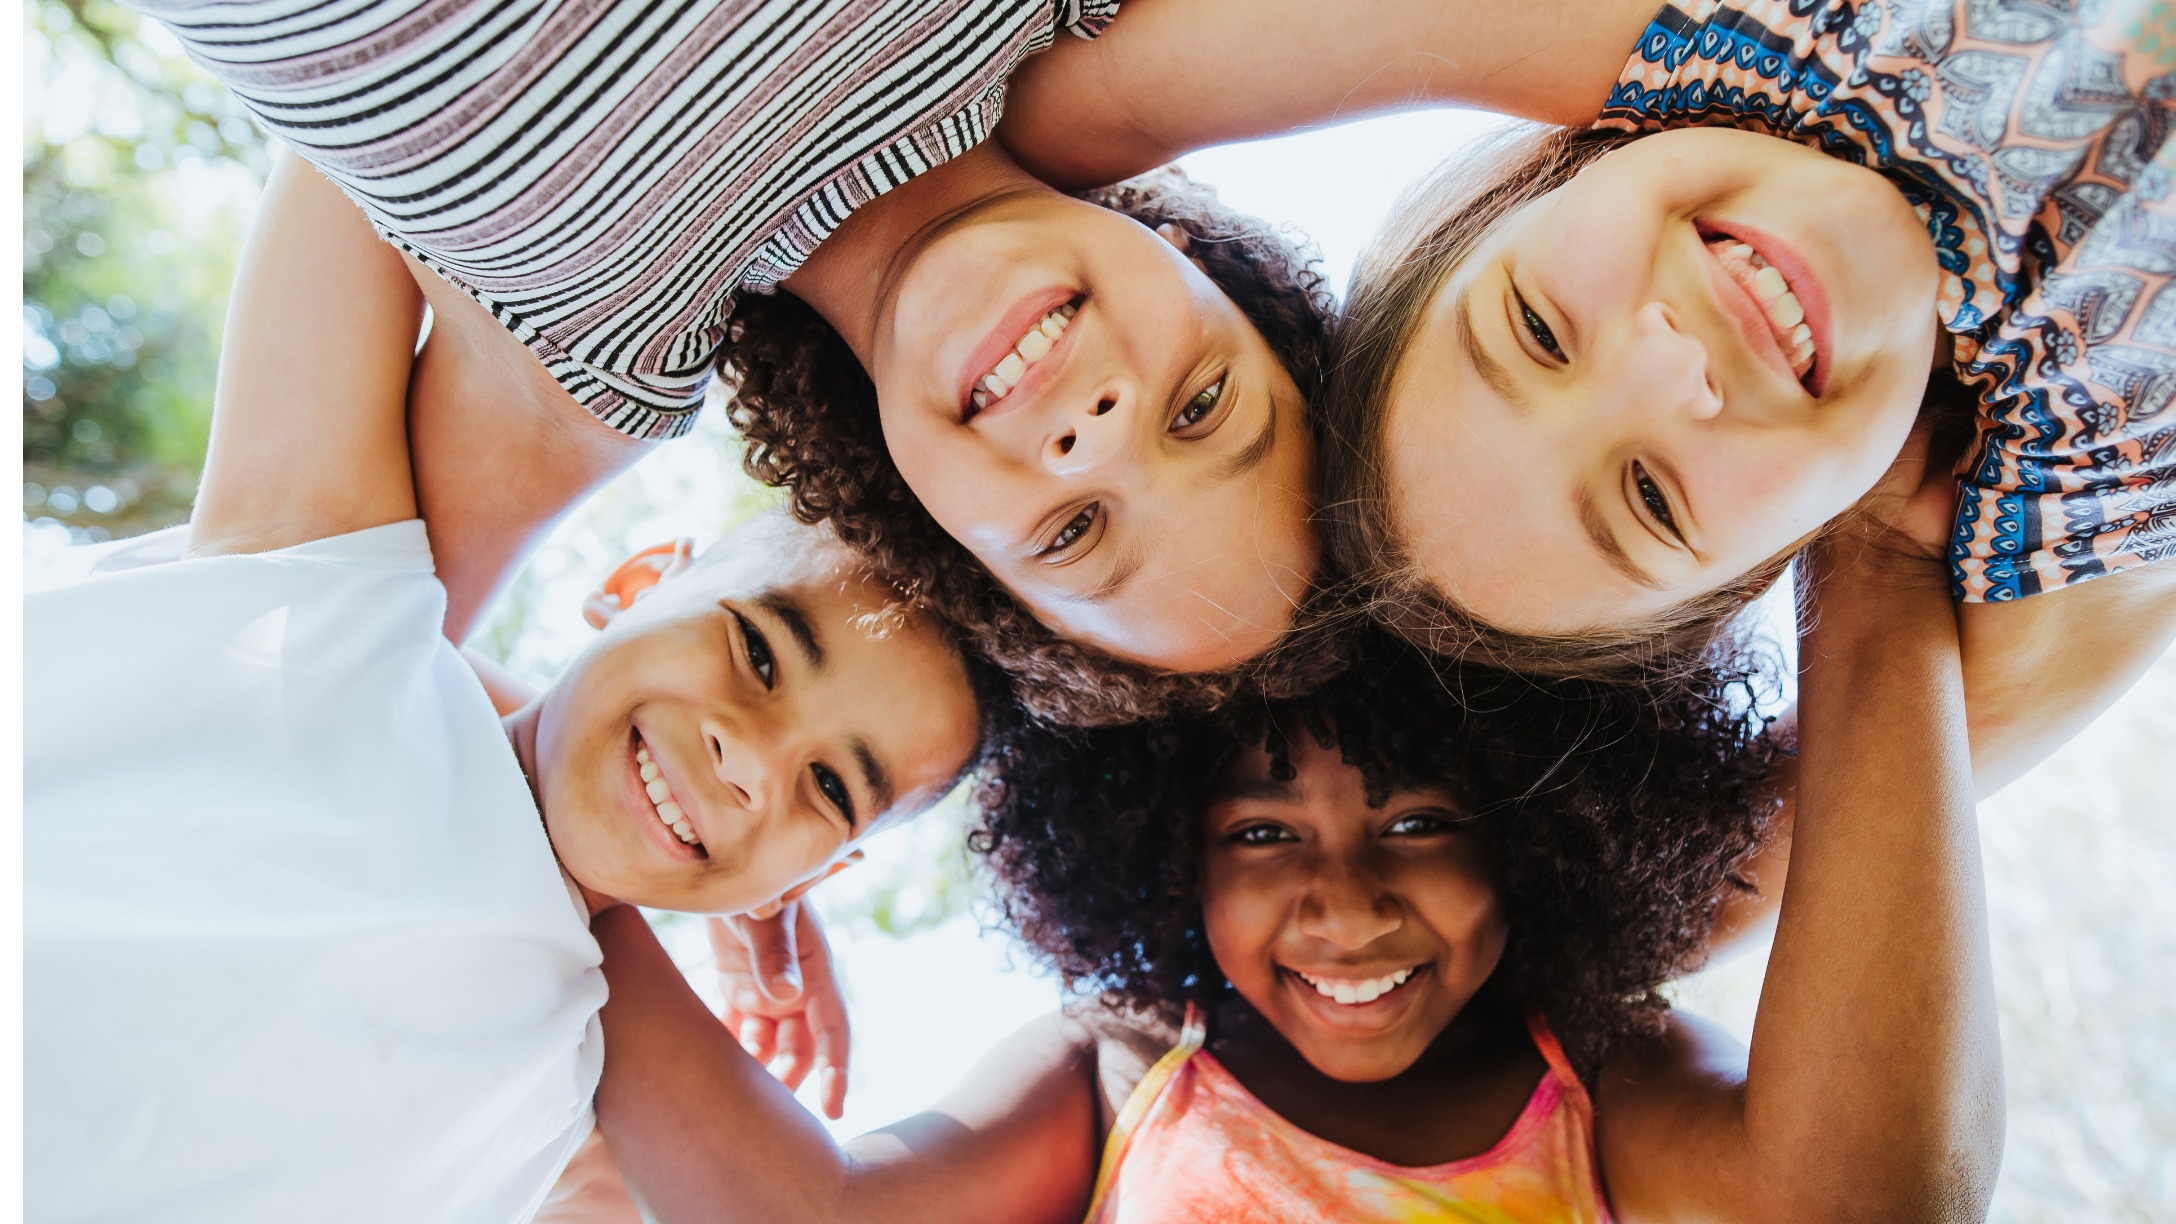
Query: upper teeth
x: 1040, y: 339
x: 653, y: 782
x: 1353, y: 991
x: 1786, y: 317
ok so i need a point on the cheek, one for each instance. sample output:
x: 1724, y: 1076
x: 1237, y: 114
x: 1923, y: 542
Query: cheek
x: 1241, y: 915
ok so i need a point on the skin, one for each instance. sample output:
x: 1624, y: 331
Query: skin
x: 784, y: 758
x: 1146, y: 490
x: 310, y: 441
x: 1598, y: 337
x: 1872, y: 1090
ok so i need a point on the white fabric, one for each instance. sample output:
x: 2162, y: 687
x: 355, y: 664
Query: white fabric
x: 297, y: 949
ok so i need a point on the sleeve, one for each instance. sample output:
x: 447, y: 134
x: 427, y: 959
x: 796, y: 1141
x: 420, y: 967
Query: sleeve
x: 1085, y: 18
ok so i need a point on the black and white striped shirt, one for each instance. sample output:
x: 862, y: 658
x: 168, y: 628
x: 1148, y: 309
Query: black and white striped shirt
x: 604, y: 175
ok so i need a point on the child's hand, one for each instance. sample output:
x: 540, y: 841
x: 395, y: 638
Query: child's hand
x: 782, y: 998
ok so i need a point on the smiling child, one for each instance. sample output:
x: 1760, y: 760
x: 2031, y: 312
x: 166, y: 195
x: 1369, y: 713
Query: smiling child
x: 306, y: 920
x: 1391, y: 953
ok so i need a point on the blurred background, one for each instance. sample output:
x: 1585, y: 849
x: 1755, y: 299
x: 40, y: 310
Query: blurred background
x: 140, y: 176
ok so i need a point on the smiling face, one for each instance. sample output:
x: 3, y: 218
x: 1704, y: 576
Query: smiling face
x: 1085, y: 411
x: 1358, y: 932
x: 1659, y: 376
x: 743, y: 725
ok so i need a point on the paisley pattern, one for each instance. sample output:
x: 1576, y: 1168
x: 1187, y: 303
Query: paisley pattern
x: 2034, y: 138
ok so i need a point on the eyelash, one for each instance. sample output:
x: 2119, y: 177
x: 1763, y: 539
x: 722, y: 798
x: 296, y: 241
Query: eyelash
x: 760, y: 659
x: 1538, y: 329
x: 833, y: 787
x: 1074, y: 528
x: 1651, y: 497
x: 1246, y: 836
x: 1428, y: 824
x: 1214, y: 394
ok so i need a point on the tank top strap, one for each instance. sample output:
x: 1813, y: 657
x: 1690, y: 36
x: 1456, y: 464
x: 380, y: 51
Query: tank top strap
x: 1193, y: 1033
x: 1551, y: 1051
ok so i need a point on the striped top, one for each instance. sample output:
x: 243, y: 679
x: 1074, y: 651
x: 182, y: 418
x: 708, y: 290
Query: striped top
x: 1193, y: 1146
x: 605, y: 175
x: 2038, y: 141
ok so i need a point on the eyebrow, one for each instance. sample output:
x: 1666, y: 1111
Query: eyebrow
x: 789, y: 613
x: 1258, y: 788
x: 1606, y: 542
x: 873, y: 775
x: 1121, y: 573
x: 1250, y: 456
x: 1498, y: 379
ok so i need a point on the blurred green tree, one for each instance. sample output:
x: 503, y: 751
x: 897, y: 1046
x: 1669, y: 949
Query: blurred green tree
x: 138, y: 177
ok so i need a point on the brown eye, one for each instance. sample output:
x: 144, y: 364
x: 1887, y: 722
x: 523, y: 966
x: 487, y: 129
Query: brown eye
x: 1540, y: 331
x: 758, y: 649
x: 1198, y: 408
x: 833, y: 787
x: 1074, y: 529
x: 1652, y: 498
x: 1260, y: 835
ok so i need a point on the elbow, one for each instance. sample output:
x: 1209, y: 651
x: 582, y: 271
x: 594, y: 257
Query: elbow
x: 1952, y: 1183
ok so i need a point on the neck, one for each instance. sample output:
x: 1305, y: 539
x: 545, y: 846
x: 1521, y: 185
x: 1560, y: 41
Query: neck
x: 521, y: 734
x: 851, y: 276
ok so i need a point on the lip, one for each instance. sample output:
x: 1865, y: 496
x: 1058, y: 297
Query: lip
x: 1000, y: 339
x: 1805, y: 285
x: 1378, y: 1015
x: 645, y: 812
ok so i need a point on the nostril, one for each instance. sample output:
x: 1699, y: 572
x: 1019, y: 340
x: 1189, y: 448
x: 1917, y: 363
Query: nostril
x: 717, y: 750
x: 1065, y: 444
x: 1103, y: 406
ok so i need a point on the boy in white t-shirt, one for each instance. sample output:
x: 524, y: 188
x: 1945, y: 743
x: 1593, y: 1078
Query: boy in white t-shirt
x: 306, y: 921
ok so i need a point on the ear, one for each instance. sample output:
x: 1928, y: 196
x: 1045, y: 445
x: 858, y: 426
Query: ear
x: 1176, y: 235
x: 798, y: 891
x: 634, y: 576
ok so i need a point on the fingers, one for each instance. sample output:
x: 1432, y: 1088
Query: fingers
x: 772, y: 952
x: 831, y: 1051
x: 796, y: 1052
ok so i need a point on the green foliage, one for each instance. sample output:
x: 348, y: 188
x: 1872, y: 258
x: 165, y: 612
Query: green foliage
x: 137, y: 177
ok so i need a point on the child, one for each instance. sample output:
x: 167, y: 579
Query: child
x: 306, y: 922
x: 1410, y: 954
x: 2036, y: 288
x: 1088, y: 455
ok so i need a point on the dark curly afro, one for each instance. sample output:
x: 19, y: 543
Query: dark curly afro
x: 809, y: 415
x: 1618, y: 820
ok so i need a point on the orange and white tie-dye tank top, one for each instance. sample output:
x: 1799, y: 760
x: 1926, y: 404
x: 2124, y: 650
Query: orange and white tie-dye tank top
x: 1193, y: 1146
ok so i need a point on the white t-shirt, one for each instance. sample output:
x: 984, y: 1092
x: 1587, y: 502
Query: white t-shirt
x: 296, y: 946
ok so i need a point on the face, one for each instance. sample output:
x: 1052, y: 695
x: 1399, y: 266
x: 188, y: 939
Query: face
x: 738, y: 729
x: 1358, y: 932
x: 1083, y: 409
x: 1670, y: 370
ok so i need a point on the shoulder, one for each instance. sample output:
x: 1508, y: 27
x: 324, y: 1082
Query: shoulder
x: 1122, y: 1046
x: 1690, y: 1058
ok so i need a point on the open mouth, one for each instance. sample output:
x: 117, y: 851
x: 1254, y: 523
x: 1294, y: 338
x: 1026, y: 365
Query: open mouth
x: 1356, y: 992
x: 1011, y: 368
x: 669, y: 812
x: 1778, y: 302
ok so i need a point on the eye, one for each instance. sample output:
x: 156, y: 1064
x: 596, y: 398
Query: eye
x: 1418, y: 824
x: 758, y: 647
x: 1072, y: 531
x: 1652, y: 498
x: 1539, y: 330
x: 834, y: 788
x: 1261, y: 835
x: 1199, y: 408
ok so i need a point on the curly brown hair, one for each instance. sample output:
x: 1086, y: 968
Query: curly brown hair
x: 1618, y: 819
x: 808, y: 413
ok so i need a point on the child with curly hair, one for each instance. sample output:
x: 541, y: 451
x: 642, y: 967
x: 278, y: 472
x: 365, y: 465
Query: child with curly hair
x: 1391, y: 953
x: 1073, y: 426
x: 1596, y: 384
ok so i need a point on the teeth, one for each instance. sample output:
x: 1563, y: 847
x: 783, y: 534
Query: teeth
x: 1033, y: 347
x: 1354, y: 993
x: 668, y: 812
x: 1786, y: 315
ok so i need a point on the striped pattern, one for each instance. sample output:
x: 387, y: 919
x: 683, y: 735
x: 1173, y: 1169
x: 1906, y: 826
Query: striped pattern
x: 604, y: 175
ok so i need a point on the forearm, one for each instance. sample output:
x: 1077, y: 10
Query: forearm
x: 2036, y: 671
x: 1873, y: 1085
x: 702, y: 1132
x: 500, y: 450
x: 699, y: 1129
x: 1171, y: 76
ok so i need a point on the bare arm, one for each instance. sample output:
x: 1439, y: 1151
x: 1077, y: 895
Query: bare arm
x: 501, y: 451
x: 1171, y: 76
x: 2038, y: 670
x: 702, y: 1132
x: 308, y: 435
x: 1873, y: 1087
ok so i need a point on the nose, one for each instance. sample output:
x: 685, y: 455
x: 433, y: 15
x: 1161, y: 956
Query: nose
x: 1091, y: 436
x: 1348, y: 907
x: 1666, y: 369
x: 746, y: 762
